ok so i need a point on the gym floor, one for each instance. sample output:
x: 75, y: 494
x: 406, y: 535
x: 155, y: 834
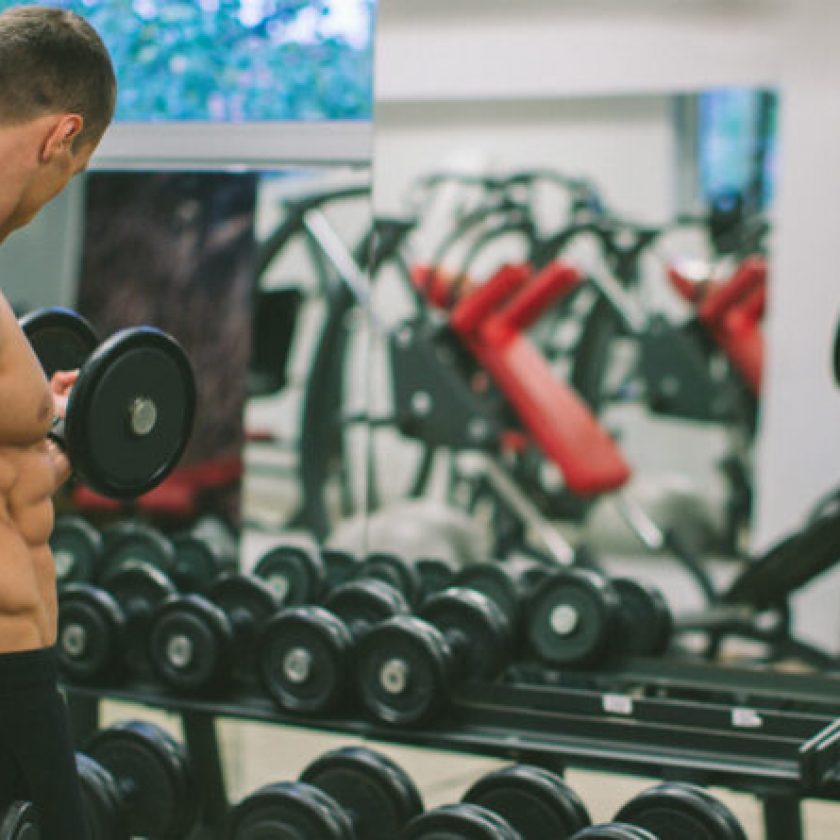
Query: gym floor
x: 255, y: 754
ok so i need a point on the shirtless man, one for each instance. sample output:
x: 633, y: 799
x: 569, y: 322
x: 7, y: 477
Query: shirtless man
x: 57, y: 92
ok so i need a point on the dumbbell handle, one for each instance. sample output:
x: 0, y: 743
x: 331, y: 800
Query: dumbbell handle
x: 57, y: 433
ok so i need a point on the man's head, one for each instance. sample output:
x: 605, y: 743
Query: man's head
x: 57, y: 96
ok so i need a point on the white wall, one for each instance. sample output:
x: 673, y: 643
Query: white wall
x: 538, y: 50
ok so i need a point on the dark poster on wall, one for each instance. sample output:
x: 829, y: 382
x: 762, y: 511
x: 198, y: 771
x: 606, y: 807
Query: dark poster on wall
x: 175, y: 250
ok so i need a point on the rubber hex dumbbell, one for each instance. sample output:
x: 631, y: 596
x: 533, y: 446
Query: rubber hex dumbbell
x: 130, y: 411
x: 304, y: 653
x: 614, y: 831
x: 674, y: 810
x: 352, y: 793
x: 102, y: 630
x: 295, y: 572
x: 20, y: 822
x: 407, y: 667
x: 137, y: 781
x: 199, y: 642
x: 202, y: 553
x: 77, y: 548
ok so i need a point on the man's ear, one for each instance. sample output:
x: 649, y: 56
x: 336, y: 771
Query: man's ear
x: 60, y: 137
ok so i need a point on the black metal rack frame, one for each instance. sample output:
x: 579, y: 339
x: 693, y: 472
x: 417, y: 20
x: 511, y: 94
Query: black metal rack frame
x: 772, y: 734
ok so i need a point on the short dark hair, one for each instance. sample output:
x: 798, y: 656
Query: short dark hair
x: 53, y: 61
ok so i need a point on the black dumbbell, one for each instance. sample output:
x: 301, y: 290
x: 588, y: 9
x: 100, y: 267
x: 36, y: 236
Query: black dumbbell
x: 77, y: 548
x: 580, y: 617
x: 202, y: 553
x: 459, y: 822
x: 394, y: 570
x: 535, y: 801
x: 675, y: 810
x: 508, y: 583
x: 614, y: 831
x: 136, y: 781
x: 132, y: 541
x: 407, y: 667
x: 339, y: 567
x: 436, y: 574
x: 295, y: 572
x: 103, y: 630
x: 199, y: 642
x: 129, y: 413
x: 20, y: 822
x: 351, y: 793
x: 304, y: 652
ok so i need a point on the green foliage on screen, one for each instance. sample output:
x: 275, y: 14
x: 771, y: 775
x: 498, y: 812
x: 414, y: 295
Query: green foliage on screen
x: 236, y: 60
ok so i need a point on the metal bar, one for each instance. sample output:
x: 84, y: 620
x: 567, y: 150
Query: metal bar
x: 203, y: 747
x: 782, y: 818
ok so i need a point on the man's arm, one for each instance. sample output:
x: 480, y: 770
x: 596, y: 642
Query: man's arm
x: 26, y: 402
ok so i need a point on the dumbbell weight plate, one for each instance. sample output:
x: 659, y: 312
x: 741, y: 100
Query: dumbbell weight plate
x: 91, y: 633
x: 536, y: 802
x: 435, y: 575
x: 339, y: 566
x: 102, y: 801
x: 614, y: 831
x: 571, y: 618
x: 303, y: 659
x: 673, y: 811
x: 644, y: 619
x: 404, y: 671
x: 376, y: 791
x: 20, y: 822
x: 62, y: 339
x: 505, y: 583
x: 190, y: 644
x: 393, y: 570
x: 132, y: 542
x: 248, y: 602
x: 482, y: 625
x: 130, y: 413
x: 363, y: 603
x: 197, y: 562
x: 295, y: 574
x: 289, y: 811
x: 77, y: 550
x: 154, y: 773
x: 459, y: 822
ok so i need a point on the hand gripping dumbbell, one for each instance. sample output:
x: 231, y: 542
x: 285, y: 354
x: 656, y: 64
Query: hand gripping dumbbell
x: 407, y: 667
x: 102, y: 630
x: 198, y: 643
x: 349, y: 794
x: 20, y: 822
x: 77, y: 547
x: 304, y: 652
x: 202, y: 553
x: 295, y: 571
x: 579, y: 617
x: 521, y: 802
x: 137, y: 781
x: 130, y: 412
x: 676, y: 810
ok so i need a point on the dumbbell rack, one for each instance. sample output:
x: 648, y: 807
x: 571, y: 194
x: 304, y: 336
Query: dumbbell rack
x: 774, y: 735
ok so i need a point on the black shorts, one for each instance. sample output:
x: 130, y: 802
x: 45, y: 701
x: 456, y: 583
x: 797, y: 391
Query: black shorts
x: 37, y: 757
